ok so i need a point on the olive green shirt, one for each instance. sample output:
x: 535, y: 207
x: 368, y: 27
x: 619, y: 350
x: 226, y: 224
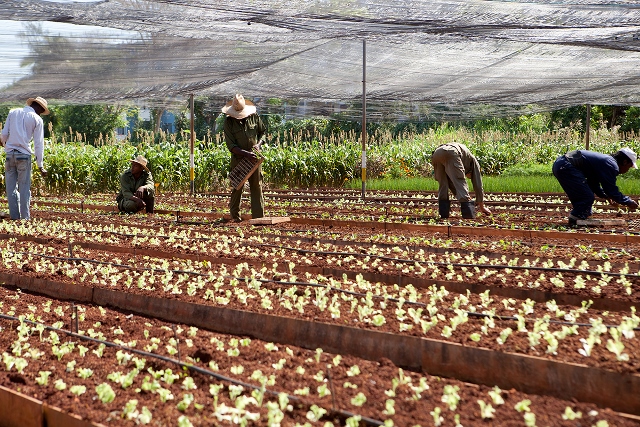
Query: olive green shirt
x: 129, y: 185
x: 244, y: 133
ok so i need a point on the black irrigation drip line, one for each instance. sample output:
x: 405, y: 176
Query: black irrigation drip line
x: 411, y: 219
x: 410, y: 246
x: 413, y: 261
x: 304, y: 284
x: 382, y: 257
x: 306, y: 231
x: 413, y: 246
x: 191, y: 367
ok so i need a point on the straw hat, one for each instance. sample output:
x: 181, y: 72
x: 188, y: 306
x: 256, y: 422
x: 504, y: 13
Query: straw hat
x: 141, y: 161
x: 41, y: 101
x: 239, y: 108
x: 631, y: 155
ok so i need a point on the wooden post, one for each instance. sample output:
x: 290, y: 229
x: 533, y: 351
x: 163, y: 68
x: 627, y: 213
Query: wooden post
x: 588, y: 128
x: 191, y: 158
x: 364, y: 117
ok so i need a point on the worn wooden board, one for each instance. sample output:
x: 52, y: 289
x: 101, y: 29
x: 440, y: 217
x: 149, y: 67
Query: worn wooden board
x: 601, y: 222
x: 269, y: 220
x: 56, y: 417
x: 19, y: 410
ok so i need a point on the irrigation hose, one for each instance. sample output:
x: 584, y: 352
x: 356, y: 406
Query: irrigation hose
x: 305, y: 284
x: 306, y: 231
x: 382, y: 257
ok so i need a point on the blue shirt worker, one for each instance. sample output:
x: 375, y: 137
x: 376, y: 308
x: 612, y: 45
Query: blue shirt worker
x: 585, y: 174
x: 137, y: 190
x: 23, y: 125
x: 243, y: 130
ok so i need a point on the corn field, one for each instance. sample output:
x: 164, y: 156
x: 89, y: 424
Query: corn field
x: 299, y: 159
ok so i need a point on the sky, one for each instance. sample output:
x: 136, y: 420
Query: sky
x: 14, y: 49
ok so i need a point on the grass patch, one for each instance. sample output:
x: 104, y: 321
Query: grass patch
x: 520, y: 178
x: 492, y: 184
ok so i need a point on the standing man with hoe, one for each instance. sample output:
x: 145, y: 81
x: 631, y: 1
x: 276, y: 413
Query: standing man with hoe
x: 243, y: 130
x: 23, y: 125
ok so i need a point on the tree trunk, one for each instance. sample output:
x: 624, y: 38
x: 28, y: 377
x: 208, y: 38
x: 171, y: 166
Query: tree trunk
x: 158, y: 118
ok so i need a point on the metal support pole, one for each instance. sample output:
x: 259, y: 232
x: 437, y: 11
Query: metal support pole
x: 364, y: 117
x: 191, y: 158
x: 588, y: 128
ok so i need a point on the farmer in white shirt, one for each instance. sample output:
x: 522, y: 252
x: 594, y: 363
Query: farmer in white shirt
x: 22, y: 125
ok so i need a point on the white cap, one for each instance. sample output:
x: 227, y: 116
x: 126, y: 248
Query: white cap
x: 631, y: 155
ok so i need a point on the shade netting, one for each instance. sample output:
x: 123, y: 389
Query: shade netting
x: 424, y: 59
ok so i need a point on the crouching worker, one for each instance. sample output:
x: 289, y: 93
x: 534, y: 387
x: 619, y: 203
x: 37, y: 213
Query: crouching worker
x: 452, y: 163
x: 585, y: 174
x: 137, y: 191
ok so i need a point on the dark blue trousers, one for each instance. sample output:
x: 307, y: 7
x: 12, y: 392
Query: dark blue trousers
x: 574, y: 183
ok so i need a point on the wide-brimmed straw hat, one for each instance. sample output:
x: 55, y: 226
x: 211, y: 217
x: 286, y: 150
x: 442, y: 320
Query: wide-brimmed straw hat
x: 141, y: 161
x: 41, y: 101
x: 631, y: 155
x: 239, y: 108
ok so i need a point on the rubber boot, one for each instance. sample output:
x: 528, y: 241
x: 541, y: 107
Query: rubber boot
x: 444, y: 207
x: 150, y: 204
x: 468, y: 210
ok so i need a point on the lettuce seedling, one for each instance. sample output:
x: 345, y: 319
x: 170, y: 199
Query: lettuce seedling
x: 437, y: 419
x: 451, y: 396
x: 84, y: 373
x: 486, y: 410
x: 164, y: 394
x: 359, y: 399
x: 43, y: 378
x: 189, y: 384
x: 496, y: 396
x: 316, y: 413
x: 105, y: 393
x: 569, y: 414
x: 523, y: 406
x: 78, y: 389
x: 187, y: 399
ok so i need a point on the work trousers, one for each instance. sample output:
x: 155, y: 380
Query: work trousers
x: 17, y: 174
x: 574, y: 183
x: 129, y: 206
x: 257, y: 199
x: 449, y: 172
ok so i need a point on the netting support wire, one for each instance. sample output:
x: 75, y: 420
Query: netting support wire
x: 364, y: 117
x: 191, y: 159
x: 587, y: 128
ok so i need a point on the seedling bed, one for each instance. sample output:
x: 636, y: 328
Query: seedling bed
x: 103, y: 381
x: 611, y: 289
